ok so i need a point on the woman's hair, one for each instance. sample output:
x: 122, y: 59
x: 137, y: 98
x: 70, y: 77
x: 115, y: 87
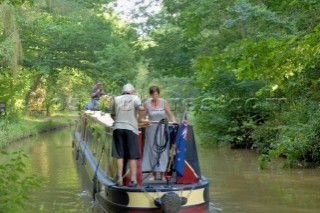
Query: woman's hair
x: 154, y: 89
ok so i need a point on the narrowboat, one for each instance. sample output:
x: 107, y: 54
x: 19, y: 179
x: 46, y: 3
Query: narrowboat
x: 187, y: 193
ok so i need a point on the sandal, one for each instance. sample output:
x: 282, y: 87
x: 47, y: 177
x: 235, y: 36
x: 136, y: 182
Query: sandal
x: 119, y: 183
x: 133, y: 184
x: 151, y: 177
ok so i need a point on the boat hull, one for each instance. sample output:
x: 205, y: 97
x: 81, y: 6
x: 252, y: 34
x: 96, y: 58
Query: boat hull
x: 92, y: 144
x: 123, y: 204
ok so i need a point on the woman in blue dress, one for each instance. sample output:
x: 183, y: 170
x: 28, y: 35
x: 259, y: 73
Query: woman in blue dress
x: 156, y: 147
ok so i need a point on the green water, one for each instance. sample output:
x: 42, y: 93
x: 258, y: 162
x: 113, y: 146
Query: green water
x: 236, y: 184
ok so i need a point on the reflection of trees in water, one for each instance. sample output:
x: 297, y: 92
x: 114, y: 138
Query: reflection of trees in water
x: 237, y: 184
x: 67, y: 186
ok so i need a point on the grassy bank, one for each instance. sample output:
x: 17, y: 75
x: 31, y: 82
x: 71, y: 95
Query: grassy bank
x: 16, y: 129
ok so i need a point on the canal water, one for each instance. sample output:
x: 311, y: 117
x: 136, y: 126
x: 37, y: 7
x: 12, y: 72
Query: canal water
x: 236, y: 183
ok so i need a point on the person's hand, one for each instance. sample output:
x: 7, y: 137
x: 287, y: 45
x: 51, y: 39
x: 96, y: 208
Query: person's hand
x: 148, y: 123
x: 141, y: 108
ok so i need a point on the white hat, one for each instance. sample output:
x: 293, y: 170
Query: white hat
x: 128, y: 88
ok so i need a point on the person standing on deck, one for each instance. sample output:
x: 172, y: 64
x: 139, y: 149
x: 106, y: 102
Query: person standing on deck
x: 125, y: 109
x: 95, y: 94
x: 155, y: 160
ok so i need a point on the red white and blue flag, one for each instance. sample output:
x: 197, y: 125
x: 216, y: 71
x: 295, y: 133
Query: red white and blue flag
x: 181, y: 144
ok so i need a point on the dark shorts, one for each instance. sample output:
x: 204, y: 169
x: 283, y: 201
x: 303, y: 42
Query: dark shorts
x: 125, y: 144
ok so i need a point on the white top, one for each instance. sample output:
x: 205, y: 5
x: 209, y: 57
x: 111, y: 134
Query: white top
x: 125, y: 109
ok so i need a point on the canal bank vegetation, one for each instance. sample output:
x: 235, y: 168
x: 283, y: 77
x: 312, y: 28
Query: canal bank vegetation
x: 16, y: 129
x: 15, y: 186
x: 248, y: 70
x: 256, y: 67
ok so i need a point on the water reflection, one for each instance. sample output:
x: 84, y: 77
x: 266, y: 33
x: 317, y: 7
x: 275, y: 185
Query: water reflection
x: 67, y: 186
x: 236, y: 184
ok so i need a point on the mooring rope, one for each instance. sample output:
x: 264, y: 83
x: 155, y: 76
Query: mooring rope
x: 183, y: 188
x: 149, y: 193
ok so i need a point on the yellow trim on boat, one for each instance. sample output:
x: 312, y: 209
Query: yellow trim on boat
x: 145, y: 199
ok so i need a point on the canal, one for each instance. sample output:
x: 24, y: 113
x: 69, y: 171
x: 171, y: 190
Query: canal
x: 237, y: 185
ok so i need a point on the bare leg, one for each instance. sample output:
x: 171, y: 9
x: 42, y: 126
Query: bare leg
x: 120, y: 168
x: 133, y: 169
x: 154, y: 175
x: 163, y: 177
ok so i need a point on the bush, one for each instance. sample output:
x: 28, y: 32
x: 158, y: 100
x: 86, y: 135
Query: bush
x: 294, y: 134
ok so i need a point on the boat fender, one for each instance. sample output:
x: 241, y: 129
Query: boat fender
x: 77, y: 154
x: 183, y: 200
x: 95, y: 186
x: 83, y: 159
x: 170, y: 202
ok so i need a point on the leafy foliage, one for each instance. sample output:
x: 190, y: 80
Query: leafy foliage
x: 66, y: 47
x: 16, y: 2
x: 14, y: 185
x: 256, y: 65
x: 250, y: 68
x: 295, y: 135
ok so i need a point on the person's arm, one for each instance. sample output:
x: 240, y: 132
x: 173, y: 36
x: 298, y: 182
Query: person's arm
x: 113, y: 110
x: 168, y: 111
x: 102, y: 92
x: 94, y: 93
x: 143, y: 113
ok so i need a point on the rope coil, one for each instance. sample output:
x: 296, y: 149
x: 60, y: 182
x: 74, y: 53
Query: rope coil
x: 158, y: 146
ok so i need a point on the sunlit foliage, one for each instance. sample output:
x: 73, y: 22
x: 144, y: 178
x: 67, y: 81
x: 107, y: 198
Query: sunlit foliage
x: 255, y: 64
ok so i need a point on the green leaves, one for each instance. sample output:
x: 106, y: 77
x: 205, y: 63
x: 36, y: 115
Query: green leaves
x: 63, y: 41
x: 16, y: 2
x: 14, y: 185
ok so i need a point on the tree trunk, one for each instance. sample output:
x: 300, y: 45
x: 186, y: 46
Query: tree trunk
x: 7, y: 19
x: 33, y: 88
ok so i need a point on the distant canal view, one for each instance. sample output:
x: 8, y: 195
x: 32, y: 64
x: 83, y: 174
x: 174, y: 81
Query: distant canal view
x: 237, y: 185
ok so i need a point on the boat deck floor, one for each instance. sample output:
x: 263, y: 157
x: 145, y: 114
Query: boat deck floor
x: 147, y: 182
x: 158, y: 183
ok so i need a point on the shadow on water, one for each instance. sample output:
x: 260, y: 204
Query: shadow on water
x: 236, y: 183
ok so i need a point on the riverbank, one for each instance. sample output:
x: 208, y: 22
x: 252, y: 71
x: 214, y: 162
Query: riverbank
x: 24, y: 127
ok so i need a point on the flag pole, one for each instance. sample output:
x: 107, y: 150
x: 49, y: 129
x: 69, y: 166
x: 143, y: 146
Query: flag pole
x: 180, y: 144
x: 184, y: 111
x: 174, y: 145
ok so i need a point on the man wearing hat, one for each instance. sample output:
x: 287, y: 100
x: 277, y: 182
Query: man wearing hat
x: 125, y: 110
x: 95, y: 94
x: 97, y: 91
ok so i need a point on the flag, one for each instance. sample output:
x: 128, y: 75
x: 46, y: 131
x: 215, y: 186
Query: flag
x: 181, y: 144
